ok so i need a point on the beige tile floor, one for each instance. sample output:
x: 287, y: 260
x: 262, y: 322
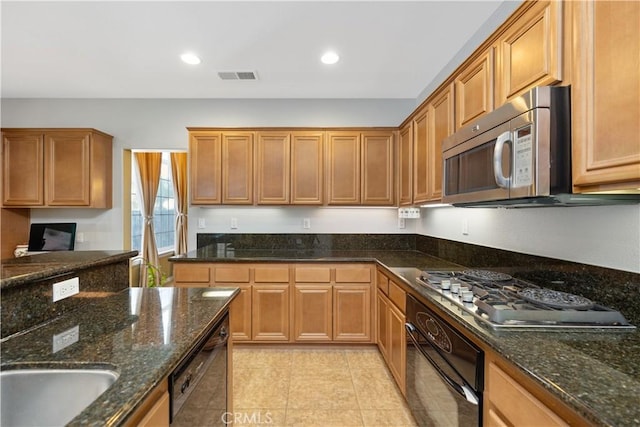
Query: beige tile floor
x: 315, y: 386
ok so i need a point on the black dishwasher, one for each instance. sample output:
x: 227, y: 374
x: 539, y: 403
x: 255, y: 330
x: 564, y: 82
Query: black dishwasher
x: 444, y: 371
x: 198, y: 386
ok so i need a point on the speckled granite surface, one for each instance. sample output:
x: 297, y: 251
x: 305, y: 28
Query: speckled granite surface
x: 596, y: 373
x: 142, y: 333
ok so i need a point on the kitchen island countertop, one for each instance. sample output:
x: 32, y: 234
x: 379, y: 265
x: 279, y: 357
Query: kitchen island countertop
x: 142, y: 333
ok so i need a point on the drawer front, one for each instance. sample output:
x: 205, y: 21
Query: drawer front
x: 193, y: 273
x: 383, y: 282
x: 238, y: 274
x: 313, y: 275
x: 353, y: 274
x: 398, y: 296
x: 271, y: 274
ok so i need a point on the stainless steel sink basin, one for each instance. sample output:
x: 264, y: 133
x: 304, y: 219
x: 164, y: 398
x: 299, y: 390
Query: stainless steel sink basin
x: 49, y: 397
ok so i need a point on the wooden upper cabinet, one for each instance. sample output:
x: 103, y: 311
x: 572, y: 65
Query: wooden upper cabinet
x: 421, y: 169
x: 205, y: 155
x: 377, y: 169
x: 237, y: 168
x: 307, y: 164
x: 273, y: 168
x: 606, y: 96
x: 530, y: 51
x: 23, y: 169
x: 474, y: 89
x: 57, y: 168
x: 405, y: 165
x: 441, y: 110
x: 343, y: 168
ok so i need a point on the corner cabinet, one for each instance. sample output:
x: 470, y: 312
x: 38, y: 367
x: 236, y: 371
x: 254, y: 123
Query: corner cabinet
x: 57, y: 168
x: 606, y: 96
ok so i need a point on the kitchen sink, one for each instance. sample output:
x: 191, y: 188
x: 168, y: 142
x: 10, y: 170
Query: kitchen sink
x: 51, y: 397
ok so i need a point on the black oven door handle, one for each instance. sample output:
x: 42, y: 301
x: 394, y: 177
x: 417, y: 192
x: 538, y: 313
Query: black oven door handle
x: 462, y: 389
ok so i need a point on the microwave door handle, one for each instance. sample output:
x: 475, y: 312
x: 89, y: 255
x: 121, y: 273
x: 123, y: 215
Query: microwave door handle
x: 501, y: 180
x: 461, y: 389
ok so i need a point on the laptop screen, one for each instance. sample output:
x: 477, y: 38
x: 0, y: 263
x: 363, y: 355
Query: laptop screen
x: 59, y: 236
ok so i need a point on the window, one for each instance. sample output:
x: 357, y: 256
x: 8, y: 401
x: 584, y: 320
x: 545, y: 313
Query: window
x: 164, y: 211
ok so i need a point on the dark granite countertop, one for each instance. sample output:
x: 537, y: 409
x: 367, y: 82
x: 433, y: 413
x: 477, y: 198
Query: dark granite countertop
x: 597, y: 372
x: 27, y: 269
x: 142, y: 333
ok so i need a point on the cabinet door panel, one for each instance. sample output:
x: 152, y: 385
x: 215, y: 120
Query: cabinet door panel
x: 606, y: 96
x: 67, y: 169
x: 270, y: 311
x: 383, y: 325
x: 237, y: 168
x: 421, y: 170
x: 343, y: 168
x: 377, y: 169
x: 313, y: 310
x: 352, y: 313
x: 474, y: 89
x: 23, y: 169
x: 307, y: 162
x: 397, y: 358
x: 405, y: 163
x: 273, y: 168
x: 531, y: 51
x: 206, y: 174
x: 240, y: 312
x: 442, y: 114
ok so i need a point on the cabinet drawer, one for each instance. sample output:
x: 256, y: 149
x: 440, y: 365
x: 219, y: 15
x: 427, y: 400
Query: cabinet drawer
x: 398, y: 296
x: 383, y: 282
x: 191, y: 273
x: 271, y: 274
x: 238, y: 274
x: 353, y: 274
x: 313, y: 274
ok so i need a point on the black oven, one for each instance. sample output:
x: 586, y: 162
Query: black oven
x: 444, y: 371
x: 198, y: 386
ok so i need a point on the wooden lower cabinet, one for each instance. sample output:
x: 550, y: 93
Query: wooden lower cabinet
x: 313, y: 312
x: 240, y: 315
x: 382, y: 321
x: 154, y: 410
x: 352, y: 313
x: 392, y: 338
x: 270, y: 312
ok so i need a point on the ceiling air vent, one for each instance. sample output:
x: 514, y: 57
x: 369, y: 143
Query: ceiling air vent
x: 237, y: 75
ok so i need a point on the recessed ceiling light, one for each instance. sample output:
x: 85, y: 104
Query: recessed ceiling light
x: 330, y: 58
x: 190, y: 58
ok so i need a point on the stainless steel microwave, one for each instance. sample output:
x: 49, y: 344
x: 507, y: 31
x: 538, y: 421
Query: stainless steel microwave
x: 518, y: 155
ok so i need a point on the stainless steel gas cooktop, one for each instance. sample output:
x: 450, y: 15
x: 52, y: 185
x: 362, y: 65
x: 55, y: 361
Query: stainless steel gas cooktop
x: 501, y: 301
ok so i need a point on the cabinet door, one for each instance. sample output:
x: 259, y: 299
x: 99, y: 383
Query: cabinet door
x: 443, y: 121
x: 421, y: 170
x: 474, y: 89
x: 343, y: 168
x: 313, y: 310
x: 270, y: 312
x: 67, y: 159
x: 405, y: 165
x: 530, y: 51
x: 377, y: 169
x: 307, y: 162
x: 23, y: 169
x: 606, y: 96
x: 352, y: 313
x: 382, y: 330
x: 237, y: 168
x: 273, y: 168
x: 240, y: 314
x: 397, y: 358
x: 206, y: 172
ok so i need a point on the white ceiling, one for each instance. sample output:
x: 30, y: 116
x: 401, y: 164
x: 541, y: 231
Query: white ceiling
x: 106, y: 49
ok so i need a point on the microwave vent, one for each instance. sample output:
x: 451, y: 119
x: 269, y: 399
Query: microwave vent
x: 238, y: 75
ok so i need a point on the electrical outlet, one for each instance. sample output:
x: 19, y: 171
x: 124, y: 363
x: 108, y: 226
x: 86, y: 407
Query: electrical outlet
x: 401, y: 223
x: 66, y: 288
x: 306, y: 223
x: 80, y: 237
x: 66, y: 338
x: 234, y: 223
x: 201, y: 223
